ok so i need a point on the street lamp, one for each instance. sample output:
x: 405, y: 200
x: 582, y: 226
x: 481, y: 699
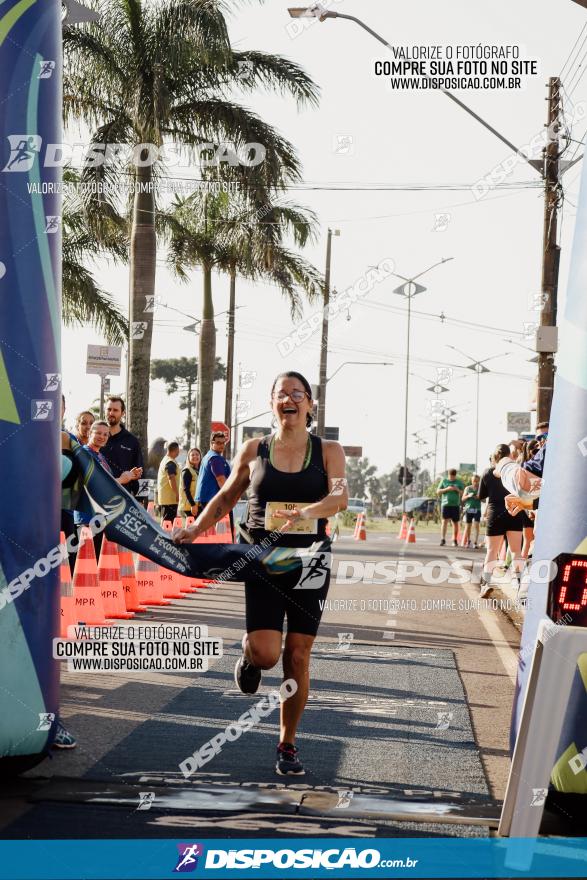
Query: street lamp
x: 324, y: 345
x: 362, y: 363
x: 409, y: 290
x: 477, y: 367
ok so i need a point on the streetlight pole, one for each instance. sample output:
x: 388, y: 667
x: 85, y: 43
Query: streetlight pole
x: 477, y: 367
x: 411, y: 285
x: 324, y: 345
x: 361, y: 363
x: 409, y: 290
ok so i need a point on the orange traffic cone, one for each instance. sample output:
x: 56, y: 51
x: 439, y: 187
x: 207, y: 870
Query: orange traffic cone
x: 129, y: 580
x: 111, y: 583
x: 403, y: 532
x: 411, y: 536
x: 357, y: 526
x: 213, y: 538
x: 149, y: 583
x: 362, y: 532
x: 67, y: 603
x: 170, y: 580
x: 88, y: 604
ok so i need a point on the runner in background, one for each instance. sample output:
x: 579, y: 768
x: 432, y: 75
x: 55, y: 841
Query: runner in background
x: 450, y: 490
x: 168, y: 481
x: 528, y: 453
x: 472, y: 508
x: 187, y: 486
x: 500, y: 523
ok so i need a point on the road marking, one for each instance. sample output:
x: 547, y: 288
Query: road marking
x: 506, y: 654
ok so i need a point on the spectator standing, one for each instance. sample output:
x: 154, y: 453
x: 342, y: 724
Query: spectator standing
x: 168, y: 483
x: 123, y: 450
x: 98, y: 439
x: 472, y: 508
x: 214, y: 470
x: 187, y: 486
x: 83, y: 423
x: 450, y: 490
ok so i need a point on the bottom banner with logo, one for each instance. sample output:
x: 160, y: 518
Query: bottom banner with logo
x: 293, y: 857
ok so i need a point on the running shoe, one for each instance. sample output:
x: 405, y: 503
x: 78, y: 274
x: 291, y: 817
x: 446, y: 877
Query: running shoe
x: 63, y: 738
x: 288, y: 763
x: 468, y: 545
x: 486, y: 588
x: 455, y: 543
x: 246, y: 676
x: 442, y: 542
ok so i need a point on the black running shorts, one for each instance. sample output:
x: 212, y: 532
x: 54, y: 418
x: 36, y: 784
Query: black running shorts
x: 268, y: 604
x: 472, y: 516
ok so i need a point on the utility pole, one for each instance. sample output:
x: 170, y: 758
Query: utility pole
x: 324, y: 345
x: 230, y: 361
x: 551, y: 250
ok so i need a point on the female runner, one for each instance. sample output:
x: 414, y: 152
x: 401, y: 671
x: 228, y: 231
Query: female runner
x: 296, y: 481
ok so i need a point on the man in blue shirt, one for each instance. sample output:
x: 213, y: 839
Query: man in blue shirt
x: 214, y: 470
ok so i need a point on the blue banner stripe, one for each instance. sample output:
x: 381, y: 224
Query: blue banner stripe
x: 396, y: 857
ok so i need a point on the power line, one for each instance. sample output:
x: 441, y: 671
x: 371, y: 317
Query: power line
x: 572, y: 50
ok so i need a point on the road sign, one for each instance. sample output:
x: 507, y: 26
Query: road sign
x: 104, y: 360
x: 331, y: 433
x: 221, y: 428
x: 466, y: 468
x: 353, y: 451
x: 519, y: 421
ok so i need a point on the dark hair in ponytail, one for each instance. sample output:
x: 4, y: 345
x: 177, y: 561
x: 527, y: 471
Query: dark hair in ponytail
x: 501, y: 451
x: 292, y: 374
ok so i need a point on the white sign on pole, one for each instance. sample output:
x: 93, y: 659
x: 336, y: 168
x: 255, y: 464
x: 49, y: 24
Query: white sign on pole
x: 104, y: 360
x: 520, y: 422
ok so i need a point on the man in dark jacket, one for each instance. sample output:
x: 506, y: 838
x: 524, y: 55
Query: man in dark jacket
x: 123, y: 450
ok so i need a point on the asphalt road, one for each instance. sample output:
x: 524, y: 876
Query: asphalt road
x: 412, y: 686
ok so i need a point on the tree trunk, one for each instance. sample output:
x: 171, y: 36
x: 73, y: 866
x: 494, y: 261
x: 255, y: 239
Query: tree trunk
x: 189, y: 423
x: 230, y: 361
x: 207, y: 362
x: 143, y: 250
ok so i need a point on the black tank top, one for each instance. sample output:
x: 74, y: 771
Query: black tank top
x: 269, y: 484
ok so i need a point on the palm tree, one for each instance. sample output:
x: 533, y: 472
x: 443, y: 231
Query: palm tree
x: 162, y: 72
x: 204, y: 232
x: 87, y: 237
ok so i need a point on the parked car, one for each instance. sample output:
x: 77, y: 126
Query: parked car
x: 356, y: 505
x: 414, y: 506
